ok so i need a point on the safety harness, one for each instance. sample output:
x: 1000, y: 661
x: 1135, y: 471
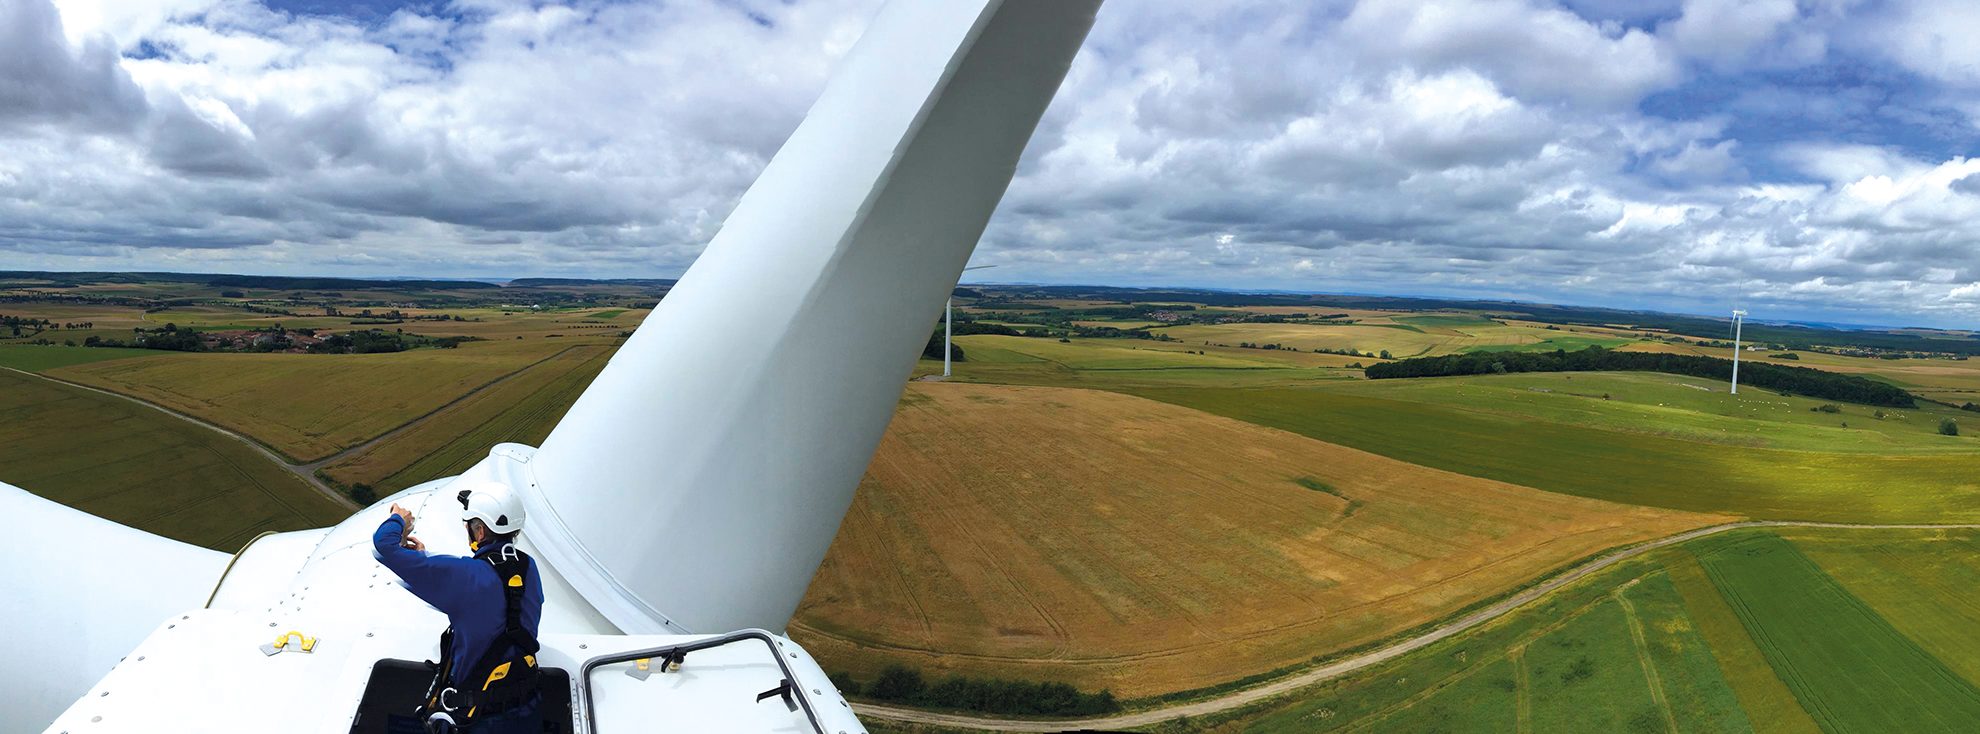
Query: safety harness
x: 498, y: 681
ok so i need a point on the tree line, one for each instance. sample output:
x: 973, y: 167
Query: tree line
x: 1782, y: 378
x: 901, y: 684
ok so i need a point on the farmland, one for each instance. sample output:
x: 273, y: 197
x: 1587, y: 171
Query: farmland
x: 520, y: 410
x: 1168, y: 495
x: 311, y: 406
x: 1852, y: 670
x: 28, y: 358
x: 1736, y: 632
x: 1635, y: 467
x: 1612, y: 653
x: 146, y: 469
x: 1402, y: 336
x: 1122, y: 543
x: 1687, y: 408
x: 1920, y: 582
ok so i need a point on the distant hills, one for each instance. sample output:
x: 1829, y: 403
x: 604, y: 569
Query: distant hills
x: 1792, y: 336
x: 314, y: 283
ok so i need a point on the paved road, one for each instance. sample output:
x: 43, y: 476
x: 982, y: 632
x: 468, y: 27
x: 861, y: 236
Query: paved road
x: 1339, y: 668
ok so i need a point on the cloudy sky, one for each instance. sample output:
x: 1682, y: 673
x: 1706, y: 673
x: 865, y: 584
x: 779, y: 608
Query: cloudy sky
x: 1802, y: 158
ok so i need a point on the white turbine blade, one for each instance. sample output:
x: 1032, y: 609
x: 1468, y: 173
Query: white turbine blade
x: 77, y: 592
x: 698, y: 482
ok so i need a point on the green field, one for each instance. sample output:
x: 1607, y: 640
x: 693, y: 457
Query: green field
x: 522, y: 410
x: 1567, y: 343
x: 147, y: 469
x: 1847, y: 665
x: 1098, y: 354
x: 36, y: 358
x: 1402, y: 336
x: 1770, y: 643
x: 1689, y: 408
x: 1582, y: 659
x: 311, y: 406
x: 1447, y: 320
x: 1115, y: 363
x: 1621, y: 466
x: 1655, y: 439
x: 1921, y: 582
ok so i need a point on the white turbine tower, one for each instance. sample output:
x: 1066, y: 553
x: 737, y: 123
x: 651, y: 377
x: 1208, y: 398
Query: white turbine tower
x: 1739, y: 319
x: 948, y: 307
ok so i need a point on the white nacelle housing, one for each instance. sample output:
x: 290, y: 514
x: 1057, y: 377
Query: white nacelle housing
x: 210, y: 668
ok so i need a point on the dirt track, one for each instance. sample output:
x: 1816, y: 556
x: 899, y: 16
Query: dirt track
x: 1339, y: 668
x: 303, y: 472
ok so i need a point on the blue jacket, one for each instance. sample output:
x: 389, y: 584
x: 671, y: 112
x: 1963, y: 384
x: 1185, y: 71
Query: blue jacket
x: 465, y: 589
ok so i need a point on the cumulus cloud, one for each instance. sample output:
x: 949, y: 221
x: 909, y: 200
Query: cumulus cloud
x: 1725, y: 32
x: 45, y: 80
x: 1588, y: 151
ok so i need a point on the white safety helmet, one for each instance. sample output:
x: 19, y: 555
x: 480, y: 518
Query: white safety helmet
x: 494, y: 504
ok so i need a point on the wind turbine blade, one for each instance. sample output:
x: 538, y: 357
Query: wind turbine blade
x: 77, y: 592
x: 698, y: 482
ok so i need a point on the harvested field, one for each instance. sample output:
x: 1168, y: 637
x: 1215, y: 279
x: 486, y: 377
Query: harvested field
x: 134, y: 465
x: 1113, y: 542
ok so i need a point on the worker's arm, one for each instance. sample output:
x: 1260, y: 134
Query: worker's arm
x: 442, y: 581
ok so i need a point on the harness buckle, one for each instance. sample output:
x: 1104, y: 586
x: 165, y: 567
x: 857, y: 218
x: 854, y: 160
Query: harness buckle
x: 440, y: 723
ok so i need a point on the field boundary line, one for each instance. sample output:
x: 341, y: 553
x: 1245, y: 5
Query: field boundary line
x: 1522, y: 691
x: 1247, y: 696
x: 306, y: 471
x: 1642, y: 648
x: 280, y: 461
x: 312, y: 466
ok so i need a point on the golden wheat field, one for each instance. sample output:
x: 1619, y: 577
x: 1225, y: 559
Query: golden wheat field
x: 1114, y: 542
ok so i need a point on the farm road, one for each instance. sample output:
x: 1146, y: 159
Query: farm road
x: 1342, y: 667
x: 307, y: 475
x: 305, y: 471
x: 311, y: 467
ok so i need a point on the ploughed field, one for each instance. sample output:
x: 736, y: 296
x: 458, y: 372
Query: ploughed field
x: 1114, y: 542
x: 1777, y: 630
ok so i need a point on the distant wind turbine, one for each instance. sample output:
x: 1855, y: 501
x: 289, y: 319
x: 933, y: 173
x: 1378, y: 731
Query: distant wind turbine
x: 948, y: 307
x: 1739, y: 319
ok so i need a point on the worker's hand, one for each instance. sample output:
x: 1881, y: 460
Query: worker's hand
x: 414, y: 544
x: 404, y: 515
